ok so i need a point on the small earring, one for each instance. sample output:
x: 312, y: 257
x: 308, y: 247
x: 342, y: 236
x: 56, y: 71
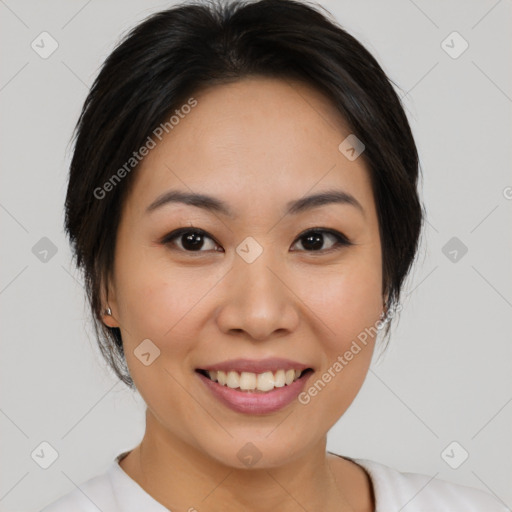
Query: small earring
x: 108, y: 311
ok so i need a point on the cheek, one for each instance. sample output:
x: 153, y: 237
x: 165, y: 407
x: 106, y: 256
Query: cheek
x: 347, y: 299
x: 159, y: 301
x: 349, y: 306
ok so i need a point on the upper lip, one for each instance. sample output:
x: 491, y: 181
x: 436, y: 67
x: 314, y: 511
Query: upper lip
x: 256, y: 365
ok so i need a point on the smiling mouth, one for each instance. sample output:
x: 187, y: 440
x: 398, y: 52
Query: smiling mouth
x: 255, y: 382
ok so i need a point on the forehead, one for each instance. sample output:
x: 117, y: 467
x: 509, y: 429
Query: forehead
x: 255, y: 139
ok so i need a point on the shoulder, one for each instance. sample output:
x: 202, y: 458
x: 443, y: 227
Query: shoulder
x: 414, y: 492
x: 93, y: 495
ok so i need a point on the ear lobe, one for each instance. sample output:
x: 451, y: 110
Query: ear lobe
x: 108, y: 305
x: 108, y: 318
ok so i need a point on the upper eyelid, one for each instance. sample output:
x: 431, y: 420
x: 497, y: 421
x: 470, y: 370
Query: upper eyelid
x: 181, y: 231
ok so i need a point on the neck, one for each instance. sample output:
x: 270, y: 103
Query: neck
x: 182, y: 478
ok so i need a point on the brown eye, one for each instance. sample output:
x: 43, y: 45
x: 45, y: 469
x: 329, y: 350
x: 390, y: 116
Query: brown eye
x: 197, y: 240
x: 190, y: 240
x: 314, y: 240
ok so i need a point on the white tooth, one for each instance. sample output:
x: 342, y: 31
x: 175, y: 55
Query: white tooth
x: 221, y: 377
x: 247, y: 381
x: 279, y: 379
x: 265, y: 381
x: 233, y: 380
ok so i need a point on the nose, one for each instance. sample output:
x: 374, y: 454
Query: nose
x: 258, y: 302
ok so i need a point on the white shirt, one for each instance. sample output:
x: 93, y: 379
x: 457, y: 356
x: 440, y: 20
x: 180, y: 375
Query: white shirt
x: 115, y: 491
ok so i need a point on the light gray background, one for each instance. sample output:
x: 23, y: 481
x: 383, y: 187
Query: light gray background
x: 447, y: 374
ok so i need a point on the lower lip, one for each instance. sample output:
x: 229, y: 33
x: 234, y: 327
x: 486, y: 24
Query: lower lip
x: 256, y: 403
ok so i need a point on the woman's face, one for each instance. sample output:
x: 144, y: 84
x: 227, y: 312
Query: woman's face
x: 257, y: 290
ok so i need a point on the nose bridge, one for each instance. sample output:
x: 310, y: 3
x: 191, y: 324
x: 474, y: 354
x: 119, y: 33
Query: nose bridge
x: 257, y: 301
x: 256, y: 268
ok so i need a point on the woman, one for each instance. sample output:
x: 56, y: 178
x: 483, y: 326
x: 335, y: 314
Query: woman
x: 243, y: 202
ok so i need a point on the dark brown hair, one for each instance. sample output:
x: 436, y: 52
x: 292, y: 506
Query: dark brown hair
x: 174, y: 53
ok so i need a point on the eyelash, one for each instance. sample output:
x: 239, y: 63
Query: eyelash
x: 340, y: 239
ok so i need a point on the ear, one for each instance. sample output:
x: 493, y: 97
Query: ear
x: 108, y: 304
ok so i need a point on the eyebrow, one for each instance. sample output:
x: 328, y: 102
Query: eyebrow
x: 295, y: 207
